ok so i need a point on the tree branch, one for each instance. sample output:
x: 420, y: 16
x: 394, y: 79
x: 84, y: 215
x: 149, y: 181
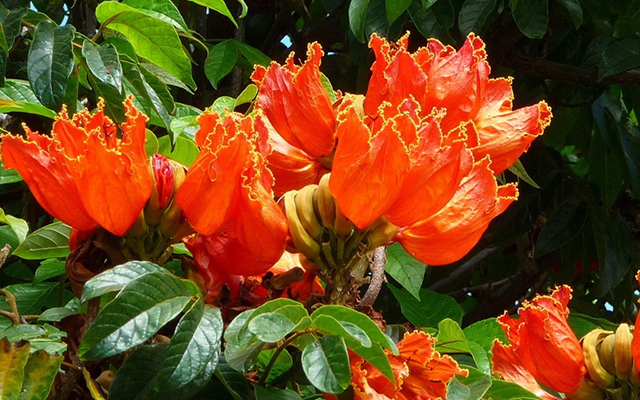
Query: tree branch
x: 378, y: 261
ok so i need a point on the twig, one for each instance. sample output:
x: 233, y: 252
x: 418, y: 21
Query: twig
x: 480, y: 288
x: 469, y: 265
x: 377, y: 264
x: 4, y: 254
x: 13, y: 315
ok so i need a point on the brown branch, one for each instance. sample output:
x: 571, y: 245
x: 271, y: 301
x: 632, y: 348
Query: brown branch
x: 378, y: 261
x: 4, y: 254
x: 13, y: 315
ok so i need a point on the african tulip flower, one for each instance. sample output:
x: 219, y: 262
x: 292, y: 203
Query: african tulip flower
x: 421, y: 373
x: 544, y: 343
x: 437, y: 76
x: 227, y: 195
x: 400, y: 166
x: 299, y: 109
x: 84, y: 174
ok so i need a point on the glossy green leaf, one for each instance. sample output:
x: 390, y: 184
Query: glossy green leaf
x: 619, y: 57
x: 150, y: 92
x: 113, y: 99
x: 328, y: 325
x: 116, y: 278
x: 48, y: 269
x: 17, y: 225
x: 143, y: 306
x: 376, y: 19
x: 12, y: 24
x: 575, y: 11
x: 326, y: 364
x: 242, y: 347
x: 163, y: 10
x: 151, y: 143
x: 434, y: 21
x: 50, y: 63
x: 485, y: 332
x: 360, y: 320
x: 4, y: 55
x: 30, y: 297
x: 395, y: 8
x: 480, y: 357
x: 219, y: 6
x: 183, y: 126
x: 185, y: 150
x: 270, y: 327
x: 138, y: 374
x: 518, y: 170
x: 20, y: 332
x: 472, y: 387
x: 273, y: 393
x: 501, y: 390
x: 195, y: 343
x: 405, y: 269
x: 430, y: 310
x: 58, y: 313
x: 51, y: 241
x: 565, y: 224
x: 451, y: 338
x: 283, y: 363
x: 531, y: 16
x: 39, y: 373
x: 248, y: 95
x: 221, y: 60
x: 223, y: 104
x: 235, y: 382
x: 8, y: 176
x: 13, y: 358
x: 474, y: 15
x: 104, y: 63
x: 17, y: 96
x: 357, y: 18
x: 152, y: 38
x: 253, y: 55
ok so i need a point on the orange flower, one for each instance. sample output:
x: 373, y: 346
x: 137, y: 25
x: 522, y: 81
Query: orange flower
x: 508, y: 365
x: 421, y: 373
x: 227, y: 195
x: 399, y: 165
x: 299, y: 108
x: 544, y: 343
x: 437, y: 76
x: 84, y: 174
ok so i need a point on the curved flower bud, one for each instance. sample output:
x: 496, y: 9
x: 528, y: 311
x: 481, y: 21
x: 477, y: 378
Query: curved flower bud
x: 544, y: 342
x: 227, y: 195
x: 84, y: 174
x: 298, y: 107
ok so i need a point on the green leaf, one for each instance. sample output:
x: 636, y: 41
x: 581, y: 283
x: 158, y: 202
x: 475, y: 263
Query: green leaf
x: 628, y: 22
x: 565, y: 224
x: 248, y: 95
x: 357, y: 18
x: 39, y: 373
x: 17, y: 225
x: 220, y: 61
x: 8, y: 176
x: 395, y: 8
x: 104, y: 63
x: 13, y: 358
x: 116, y: 278
x: 331, y: 326
x: 405, y: 269
x: 235, y: 382
x: 50, y: 63
x: 153, y: 39
x: 138, y: 374
x: 4, y: 55
x: 575, y: 11
x: 223, y: 104
x: 326, y: 364
x: 195, y: 343
x: 531, y: 16
x: 58, y: 313
x: 283, y: 363
x: 151, y: 143
x: 472, y: 387
x: 183, y: 126
x: 219, y: 6
x: 581, y: 324
x: 434, y: 21
x: 143, y: 306
x: 344, y: 314
x: 485, y: 332
x: 163, y: 10
x: 242, y: 347
x: 474, y: 15
x: 480, y: 357
x: 150, y: 92
x: 49, y: 269
x: 12, y: 24
x: 272, y: 393
x: 17, y: 96
x: 270, y: 327
x: 451, y: 338
x: 619, y: 57
x: 253, y: 55
x: 430, y: 310
x: 113, y: 99
x: 518, y: 170
x: 30, y: 297
x: 185, y: 150
x: 51, y: 241
x: 501, y: 390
